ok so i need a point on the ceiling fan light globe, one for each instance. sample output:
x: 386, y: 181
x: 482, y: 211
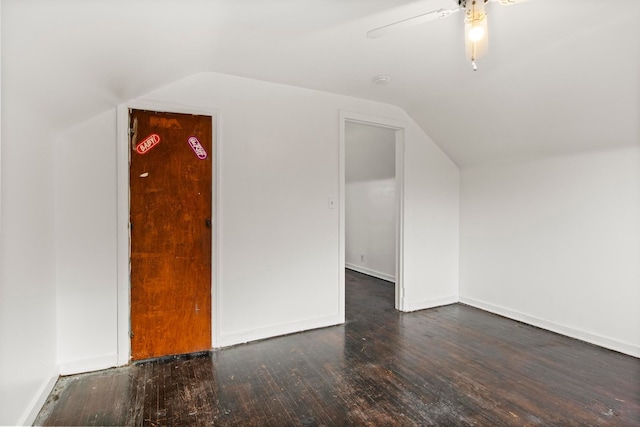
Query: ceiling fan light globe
x: 476, y: 33
x: 476, y: 37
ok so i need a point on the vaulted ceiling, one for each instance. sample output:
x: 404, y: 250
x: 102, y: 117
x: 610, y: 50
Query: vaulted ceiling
x: 561, y: 76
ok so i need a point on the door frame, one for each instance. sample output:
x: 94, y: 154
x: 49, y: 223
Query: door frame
x: 123, y: 235
x: 399, y: 128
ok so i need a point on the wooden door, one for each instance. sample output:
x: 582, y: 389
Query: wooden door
x: 170, y: 213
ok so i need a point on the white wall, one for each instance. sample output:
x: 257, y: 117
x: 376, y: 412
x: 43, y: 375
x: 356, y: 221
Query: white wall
x: 370, y: 200
x: 27, y: 269
x: 556, y: 243
x: 431, y: 223
x: 279, y: 241
x: 85, y: 245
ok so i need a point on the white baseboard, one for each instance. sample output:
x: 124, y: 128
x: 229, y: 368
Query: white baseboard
x: 97, y: 363
x: 242, y: 337
x: 369, y: 272
x: 38, y: 400
x: 619, y: 346
x: 431, y: 303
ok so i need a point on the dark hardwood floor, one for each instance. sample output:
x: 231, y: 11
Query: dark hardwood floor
x: 450, y: 366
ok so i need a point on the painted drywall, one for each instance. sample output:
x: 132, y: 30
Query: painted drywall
x: 27, y: 268
x: 556, y: 243
x: 431, y: 224
x: 85, y: 242
x: 278, y: 242
x: 370, y: 200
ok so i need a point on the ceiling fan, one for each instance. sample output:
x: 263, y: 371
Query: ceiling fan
x: 475, y: 25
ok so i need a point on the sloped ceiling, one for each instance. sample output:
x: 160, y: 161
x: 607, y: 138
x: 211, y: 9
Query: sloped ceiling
x: 561, y: 76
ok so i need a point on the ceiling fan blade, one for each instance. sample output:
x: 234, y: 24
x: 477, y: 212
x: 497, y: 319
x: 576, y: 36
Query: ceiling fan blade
x: 510, y: 2
x: 410, y: 22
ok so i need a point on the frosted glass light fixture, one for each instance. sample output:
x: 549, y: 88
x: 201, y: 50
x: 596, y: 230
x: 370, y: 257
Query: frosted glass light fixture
x: 476, y: 38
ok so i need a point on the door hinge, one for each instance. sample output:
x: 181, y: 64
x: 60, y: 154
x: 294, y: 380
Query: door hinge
x: 130, y: 334
x: 134, y: 126
x: 133, y: 133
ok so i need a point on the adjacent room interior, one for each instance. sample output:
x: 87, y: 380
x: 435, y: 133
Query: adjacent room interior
x: 371, y: 201
x: 518, y: 191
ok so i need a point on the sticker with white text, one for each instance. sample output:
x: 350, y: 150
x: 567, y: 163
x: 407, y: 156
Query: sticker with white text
x: 197, y: 147
x: 148, y: 143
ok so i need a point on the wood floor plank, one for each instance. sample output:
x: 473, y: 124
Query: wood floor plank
x: 452, y: 365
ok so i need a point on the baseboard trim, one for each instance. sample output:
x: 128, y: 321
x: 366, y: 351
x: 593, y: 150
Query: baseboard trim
x: 369, y: 272
x: 89, y: 364
x: 611, y: 344
x: 430, y: 303
x: 36, y: 404
x: 242, y: 337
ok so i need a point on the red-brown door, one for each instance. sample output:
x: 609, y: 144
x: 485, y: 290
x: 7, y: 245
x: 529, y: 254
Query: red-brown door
x: 170, y: 214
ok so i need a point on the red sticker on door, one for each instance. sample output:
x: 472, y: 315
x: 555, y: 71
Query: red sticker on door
x: 197, y: 147
x: 148, y: 143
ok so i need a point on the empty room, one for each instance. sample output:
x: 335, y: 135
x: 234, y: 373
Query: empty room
x: 188, y: 236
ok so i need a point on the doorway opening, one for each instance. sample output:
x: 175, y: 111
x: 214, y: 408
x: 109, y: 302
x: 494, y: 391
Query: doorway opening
x: 372, y: 194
